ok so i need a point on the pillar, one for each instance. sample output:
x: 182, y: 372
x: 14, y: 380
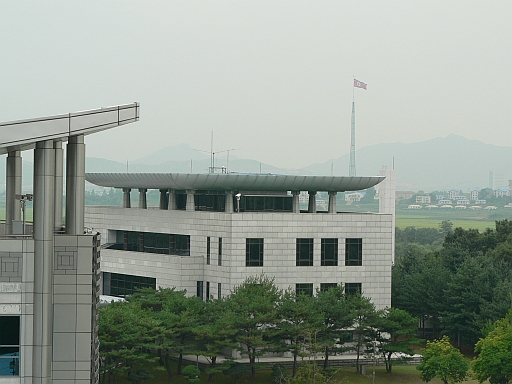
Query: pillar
x: 164, y: 200
x: 171, y: 205
x: 13, y: 188
x: 191, y: 206
x: 228, y: 208
x: 59, y: 185
x: 312, y: 202
x: 295, y: 202
x: 143, y: 204
x: 332, y: 202
x: 126, y: 198
x: 75, y: 185
x: 44, y: 185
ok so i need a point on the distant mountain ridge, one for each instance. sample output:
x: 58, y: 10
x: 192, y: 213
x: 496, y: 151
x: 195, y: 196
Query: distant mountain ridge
x: 442, y: 163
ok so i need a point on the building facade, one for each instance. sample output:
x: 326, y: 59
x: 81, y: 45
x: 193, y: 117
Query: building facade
x: 49, y: 271
x: 209, y: 234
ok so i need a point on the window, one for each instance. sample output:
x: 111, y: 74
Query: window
x: 219, y: 291
x: 150, y: 242
x: 254, y: 253
x: 304, y: 253
x: 117, y: 284
x: 208, y: 250
x: 304, y: 289
x: 200, y: 289
x: 325, y: 286
x: 329, y: 252
x: 353, y: 288
x: 353, y: 252
x: 220, y: 251
x: 9, y: 346
x: 207, y: 290
x: 265, y: 203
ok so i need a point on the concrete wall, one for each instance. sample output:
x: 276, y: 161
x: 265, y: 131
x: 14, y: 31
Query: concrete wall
x: 279, y: 231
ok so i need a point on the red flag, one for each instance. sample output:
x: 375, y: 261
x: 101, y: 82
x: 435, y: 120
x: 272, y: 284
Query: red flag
x: 359, y: 84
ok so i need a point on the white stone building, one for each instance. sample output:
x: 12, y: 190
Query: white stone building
x: 212, y: 231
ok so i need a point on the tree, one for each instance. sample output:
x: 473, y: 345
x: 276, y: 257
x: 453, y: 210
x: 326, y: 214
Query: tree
x: 494, y: 360
x: 395, y: 334
x: 254, y: 315
x: 215, y: 333
x: 440, y: 359
x: 298, y: 320
x: 192, y: 374
x: 339, y: 317
x: 127, y: 334
x: 365, y: 321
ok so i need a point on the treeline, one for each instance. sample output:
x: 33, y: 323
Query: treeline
x: 255, y: 319
x: 460, y: 287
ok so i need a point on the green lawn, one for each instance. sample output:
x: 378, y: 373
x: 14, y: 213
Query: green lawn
x: 347, y: 375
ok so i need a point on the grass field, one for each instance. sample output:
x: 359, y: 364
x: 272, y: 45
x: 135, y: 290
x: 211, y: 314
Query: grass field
x: 346, y: 375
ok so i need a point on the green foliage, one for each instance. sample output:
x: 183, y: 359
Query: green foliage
x: 192, y: 374
x: 442, y: 360
x: 395, y: 330
x: 253, y: 307
x: 494, y: 360
x: 140, y: 376
x: 279, y: 374
x: 237, y: 371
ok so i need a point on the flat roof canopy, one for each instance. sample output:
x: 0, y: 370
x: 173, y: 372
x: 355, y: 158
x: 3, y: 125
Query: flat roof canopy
x: 24, y: 134
x: 232, y: 181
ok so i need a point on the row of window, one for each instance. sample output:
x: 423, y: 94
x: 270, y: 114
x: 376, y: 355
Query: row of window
x: 208, y: 295
x: 304, y: 252
x: 150, y: 242
x: 117, y: 284
x: 9, y: 345
x: 208, y: 251
x: 307, y: 288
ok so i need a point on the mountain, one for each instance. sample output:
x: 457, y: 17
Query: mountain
x: 443, y: 163
x: 452, y: 162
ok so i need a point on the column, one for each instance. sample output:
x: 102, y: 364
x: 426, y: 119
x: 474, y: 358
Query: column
x: 228, y: 208
x: 75, y: 185
x: 164, y: 200
x: 191, y: 206
x: 13, y: 188
x: 332, y: 202
x: 171, y: 205
x: 59, y: 185
x: 126, y: 198
x: 143, y: 204
x: 44, y: 184
x: 295, y: 202
x: 312, y: 202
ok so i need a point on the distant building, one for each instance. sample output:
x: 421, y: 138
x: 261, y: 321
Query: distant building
x: 414, y: 206
x: 403, y: 195
x: 453, y: 193
x: 354, y: 196
x: 423, y: 199
x: 463, y: 202
x: 474, y: 194
x: 444, y: 201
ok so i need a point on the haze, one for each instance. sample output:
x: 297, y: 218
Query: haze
x: 272, y: 79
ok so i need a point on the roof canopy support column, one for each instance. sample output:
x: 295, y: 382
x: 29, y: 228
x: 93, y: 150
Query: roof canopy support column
x: 13, y: 188
x: 171, y: 205
x: 228, y: 208
x: 126, y: 198
x: 312, y: 202
x: 59, y: 184
x: 332, y: 202
x: 164, y: 200
x: 44, y: 185
x: 191, y: 206
x: 75, y: 185
x: 295, y: 202
x: 143, y: 203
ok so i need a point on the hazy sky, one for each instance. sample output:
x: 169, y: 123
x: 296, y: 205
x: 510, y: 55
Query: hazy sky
x: 272, y: 79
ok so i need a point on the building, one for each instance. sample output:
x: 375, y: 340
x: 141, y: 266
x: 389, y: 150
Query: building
x: 212, y: 231
x: 49, y: 272
x: 423, y: 199
x: 474, y: 195
x: 403, y: 195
